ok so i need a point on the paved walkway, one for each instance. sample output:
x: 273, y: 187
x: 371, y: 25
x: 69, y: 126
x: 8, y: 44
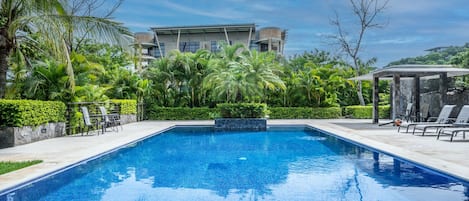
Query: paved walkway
x: 57, y: 153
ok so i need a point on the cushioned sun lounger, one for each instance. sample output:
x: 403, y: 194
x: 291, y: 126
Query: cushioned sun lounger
x: 453, y: 131
x: 463, y: 117
x: 443, y: 118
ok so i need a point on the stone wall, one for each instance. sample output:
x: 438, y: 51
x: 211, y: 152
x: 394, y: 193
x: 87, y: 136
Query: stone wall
x: 13, y: 136
x: 128, y: 118
x: 429, y: 94
x: 257, y: 124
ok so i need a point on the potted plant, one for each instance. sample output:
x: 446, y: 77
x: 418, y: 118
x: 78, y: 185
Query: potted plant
x: 242, y: 116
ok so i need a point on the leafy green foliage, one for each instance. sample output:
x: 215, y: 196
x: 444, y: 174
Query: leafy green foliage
x: 243, y: 110
x: 444, y: 56
x: 305, y: 113
x: 179, y: 113
x: 48, y: 81
x: 18, y: 113
x: 204, y: 113
x: 6, y: 167
x: 176, y: 80
x: 237, y: 74
x: 126, y: 106
x: 316, y: 79
x: 366, y: 112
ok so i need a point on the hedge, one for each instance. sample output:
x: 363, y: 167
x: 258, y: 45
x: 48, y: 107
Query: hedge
x: 366, y: 112
x: 305, y: 113
x: 126, y: 106
x: 180, y: 113
x: 19, y: 113
x: 184, y: 113
x: 243, y: 110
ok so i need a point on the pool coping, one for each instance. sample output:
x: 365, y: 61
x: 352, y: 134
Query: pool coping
x: 351, y: 135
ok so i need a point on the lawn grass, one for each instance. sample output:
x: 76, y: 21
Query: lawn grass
x: 9, y: 166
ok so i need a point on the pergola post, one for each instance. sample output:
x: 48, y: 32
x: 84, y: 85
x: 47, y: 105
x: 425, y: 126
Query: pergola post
x: 396, y: 103
x: 416, y: 92
x: 443, y: 88
x: 226, y: 36
x: 158, y: 43
x: 375, y: 99
x: 178, y: 40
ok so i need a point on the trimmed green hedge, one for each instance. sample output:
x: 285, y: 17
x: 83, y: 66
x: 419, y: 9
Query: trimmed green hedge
x: 366, y: 112
x: 243, y: 110
x: 126, y: 106
x: 180, y: 113
x: 19, y: 113
x: 183, y: 113
x: 305, y: 113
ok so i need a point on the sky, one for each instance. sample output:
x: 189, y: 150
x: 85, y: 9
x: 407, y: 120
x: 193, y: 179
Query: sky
x: 410, y: 27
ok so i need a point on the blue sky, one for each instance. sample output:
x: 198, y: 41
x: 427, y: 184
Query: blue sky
x: 411, y: 26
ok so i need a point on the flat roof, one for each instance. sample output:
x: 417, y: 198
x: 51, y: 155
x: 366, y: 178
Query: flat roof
x: 204, y: 28
x: 408, y: 71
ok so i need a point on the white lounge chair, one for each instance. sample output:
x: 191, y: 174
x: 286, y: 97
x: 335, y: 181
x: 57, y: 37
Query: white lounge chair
x: 463, y: 117
x: 443, y: 118
x: 453, y: 131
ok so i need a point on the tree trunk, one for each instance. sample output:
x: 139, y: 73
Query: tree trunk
x: 360, y: 93
x: 5, y: 48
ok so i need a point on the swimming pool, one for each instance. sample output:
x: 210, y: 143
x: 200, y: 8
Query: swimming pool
x: 282, y: 163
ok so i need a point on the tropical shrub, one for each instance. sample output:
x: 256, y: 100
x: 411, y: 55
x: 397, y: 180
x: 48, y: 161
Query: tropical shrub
x: 19, y: 113
x: 179, y: 113
x: 126, y: 106
x: 366, y: 112
x: 305, y: 113
x: 243, y: 110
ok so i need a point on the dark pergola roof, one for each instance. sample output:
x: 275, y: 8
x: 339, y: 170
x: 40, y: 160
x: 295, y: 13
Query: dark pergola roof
x: 204, y: 29
x: 409, y: 71
x: 416, y: 73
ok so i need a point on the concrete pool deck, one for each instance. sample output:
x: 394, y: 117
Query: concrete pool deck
x: 57, y: 153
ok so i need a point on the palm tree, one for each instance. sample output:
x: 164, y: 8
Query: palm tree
x: 162, y: 77
x: 198, y: 65
x: 263, y: 71
x: 242, y: 75
x: 222, y: 80
x: 47, y: 82
x: 57, y: 27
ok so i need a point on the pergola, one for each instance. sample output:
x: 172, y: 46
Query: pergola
x: 415, y: 72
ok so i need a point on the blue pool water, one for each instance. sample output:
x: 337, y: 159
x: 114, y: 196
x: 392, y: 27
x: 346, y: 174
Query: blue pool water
x: 282, y: 163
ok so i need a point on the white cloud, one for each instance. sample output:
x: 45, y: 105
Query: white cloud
x: 219, y: 13
x: 396, y: 40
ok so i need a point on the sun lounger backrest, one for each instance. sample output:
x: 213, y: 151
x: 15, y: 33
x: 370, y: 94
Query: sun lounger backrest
x: 104, y: 113
x: 408, y: 111
x: 424, y: 111
x: 463, y: 116
x: 443, y: 117
x: 86, y: 115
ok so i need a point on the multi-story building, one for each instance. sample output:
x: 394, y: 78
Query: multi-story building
x: 161, y: 40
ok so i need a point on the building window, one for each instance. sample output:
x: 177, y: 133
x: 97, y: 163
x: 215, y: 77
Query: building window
x: 214, y: 46
x: 253, y: 45
x: 191, y: 46
x: 157, y: 51
x: 264, y: 47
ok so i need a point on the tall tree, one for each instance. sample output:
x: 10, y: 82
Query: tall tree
x: 367, y: 13
x: 57, y: 25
